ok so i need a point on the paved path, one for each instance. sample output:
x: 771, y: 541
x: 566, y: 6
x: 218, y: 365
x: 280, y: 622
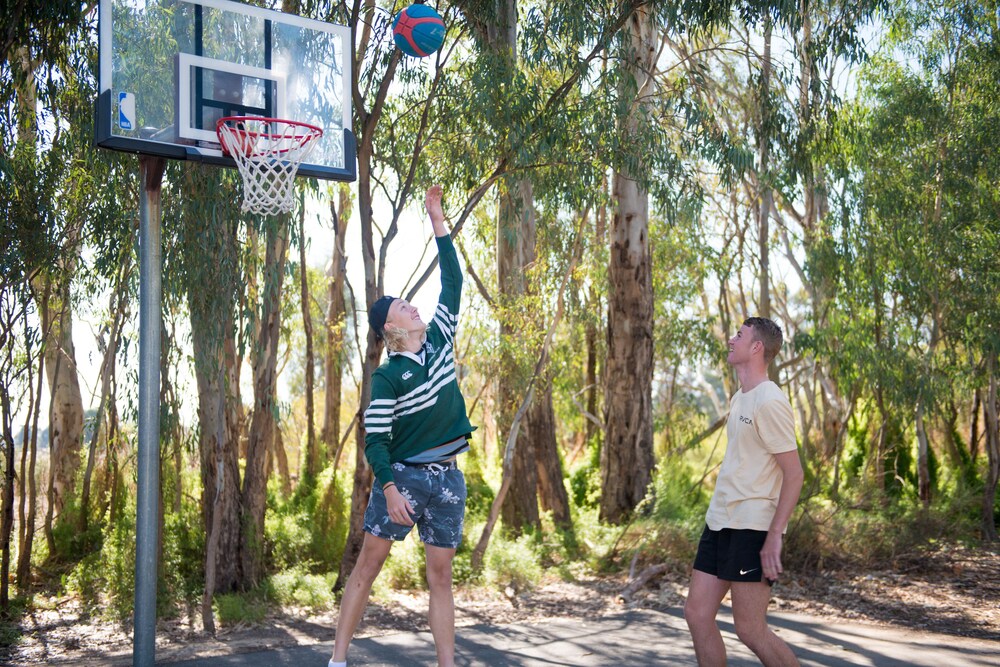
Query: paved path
x: 640, y: 637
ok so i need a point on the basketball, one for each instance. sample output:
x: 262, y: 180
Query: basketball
x: 418, y: 31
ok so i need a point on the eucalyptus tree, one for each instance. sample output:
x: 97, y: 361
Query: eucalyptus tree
x: 53, y: 279
x: 335, y: 338
x: 924, y: 128
x: 206, y: 245
x: 68, y: 196
x: 627, y: 454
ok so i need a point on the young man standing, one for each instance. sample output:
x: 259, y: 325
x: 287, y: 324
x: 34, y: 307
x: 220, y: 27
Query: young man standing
x: 758, y: 485
x: 415, y: 426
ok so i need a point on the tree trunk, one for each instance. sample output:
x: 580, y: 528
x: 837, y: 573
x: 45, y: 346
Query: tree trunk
x: 591, y: 380
x: 977, y: 405
x: 593, y: 329
x: 765, y: 193
x: 627, y: 455
x: 281, y: 459
x: 262, y: 425
x: 7, y: 506
x: 211, y: 258
x: 362, y: 487
x: 118, y: 305
x: 30, y: 443
x: 313, y: 459
x: 552, y: 494
x: 66, y: 401
x: 52, y: 285
x: 515, y: 251
x: 923, y: 472
x: 336, y: 321
x: 992, y: 456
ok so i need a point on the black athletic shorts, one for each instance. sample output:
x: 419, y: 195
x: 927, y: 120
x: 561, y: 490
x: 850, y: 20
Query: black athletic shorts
x: 731, y: 555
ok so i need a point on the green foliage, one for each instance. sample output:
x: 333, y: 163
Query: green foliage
x: 104, y: 580
x: 237, y: 608
x: 183, y: 574
x: 868, y: 530
x: 10, y: 622
x: 296, y: 587
x: 312, y: 528
x: 585, y: 486
x: 677, y: 499
x: 512, y: 563
x: 479, y: 494
x: 69, y: 543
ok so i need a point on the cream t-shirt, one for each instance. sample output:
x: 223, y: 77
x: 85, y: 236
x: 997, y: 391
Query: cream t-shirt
x: 760, y: 425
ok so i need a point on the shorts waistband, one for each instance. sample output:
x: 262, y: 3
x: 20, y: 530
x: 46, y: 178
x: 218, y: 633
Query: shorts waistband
x: 440, y: 466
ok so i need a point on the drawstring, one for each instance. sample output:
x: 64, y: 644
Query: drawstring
x: 436, y: 467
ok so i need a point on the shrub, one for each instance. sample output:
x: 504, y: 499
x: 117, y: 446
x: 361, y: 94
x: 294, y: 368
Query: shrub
x: 297, y: 587
x: 512, y: 563
x: 235, y: 608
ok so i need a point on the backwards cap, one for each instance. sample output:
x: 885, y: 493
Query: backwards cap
x: 379, y: 311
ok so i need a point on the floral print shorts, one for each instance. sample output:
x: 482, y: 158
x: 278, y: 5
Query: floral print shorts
x: 437, y: 494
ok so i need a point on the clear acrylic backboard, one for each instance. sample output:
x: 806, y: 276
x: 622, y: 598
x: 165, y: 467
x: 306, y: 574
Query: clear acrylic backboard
x: 169, y: 69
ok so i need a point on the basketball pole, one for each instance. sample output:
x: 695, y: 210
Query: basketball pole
x: 147, y: 499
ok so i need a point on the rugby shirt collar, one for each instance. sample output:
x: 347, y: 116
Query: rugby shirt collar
x: 419, y: 358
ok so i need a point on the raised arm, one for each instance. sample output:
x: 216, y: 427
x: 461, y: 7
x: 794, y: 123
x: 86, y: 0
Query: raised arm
x: 432, y: 202
x: 449, y: 302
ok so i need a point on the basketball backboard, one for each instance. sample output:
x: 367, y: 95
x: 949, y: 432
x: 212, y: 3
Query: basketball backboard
x: 169, y: 69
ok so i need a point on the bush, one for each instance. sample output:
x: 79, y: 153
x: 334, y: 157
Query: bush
x: 235, y: 608
x: 866, y: 529
x: 297, y: 587
x: 182, y: 578
x: 311, y: 528
x: 512, y: 563
x: 10, y: 626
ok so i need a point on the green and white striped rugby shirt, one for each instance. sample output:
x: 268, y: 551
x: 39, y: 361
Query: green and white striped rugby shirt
x: 416, y: 404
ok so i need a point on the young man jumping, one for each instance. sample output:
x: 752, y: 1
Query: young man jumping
x: 758, y: 485
x: 415, y: 426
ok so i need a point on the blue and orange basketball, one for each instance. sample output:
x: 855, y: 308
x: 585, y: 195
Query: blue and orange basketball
x: 418, y: 31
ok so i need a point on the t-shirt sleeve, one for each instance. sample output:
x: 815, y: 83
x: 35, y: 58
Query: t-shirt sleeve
x: 776, y: 426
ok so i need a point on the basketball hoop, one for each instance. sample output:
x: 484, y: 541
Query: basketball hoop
x: 268, y: 152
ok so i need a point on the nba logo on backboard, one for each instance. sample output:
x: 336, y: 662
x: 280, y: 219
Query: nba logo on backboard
x: 126, y: 111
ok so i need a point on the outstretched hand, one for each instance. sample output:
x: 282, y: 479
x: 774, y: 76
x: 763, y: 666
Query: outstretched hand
x: 432, y: 202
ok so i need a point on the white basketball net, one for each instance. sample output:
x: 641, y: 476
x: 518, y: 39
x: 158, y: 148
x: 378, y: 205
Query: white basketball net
x: 268, y: 153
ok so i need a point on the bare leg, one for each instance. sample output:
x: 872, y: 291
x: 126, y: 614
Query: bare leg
x: 374, y: 551
x: 704, y: 598
x: 441, y: 615
x: 750, y: 616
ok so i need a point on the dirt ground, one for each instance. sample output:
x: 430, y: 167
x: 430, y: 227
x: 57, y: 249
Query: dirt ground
x: 952, y: 590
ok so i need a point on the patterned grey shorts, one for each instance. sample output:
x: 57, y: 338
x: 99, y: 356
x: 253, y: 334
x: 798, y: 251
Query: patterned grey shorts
x: 437, y: 497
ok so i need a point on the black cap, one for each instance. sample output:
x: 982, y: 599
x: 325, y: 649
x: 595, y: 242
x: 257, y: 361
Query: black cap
x: 379, y: 311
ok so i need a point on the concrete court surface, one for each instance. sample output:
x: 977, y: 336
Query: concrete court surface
x: 638, y: 637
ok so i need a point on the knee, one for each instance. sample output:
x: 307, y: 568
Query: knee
x: 751, y: 633
x: 696, y: 614
x: 368, y: 566
x: 439, y: 574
